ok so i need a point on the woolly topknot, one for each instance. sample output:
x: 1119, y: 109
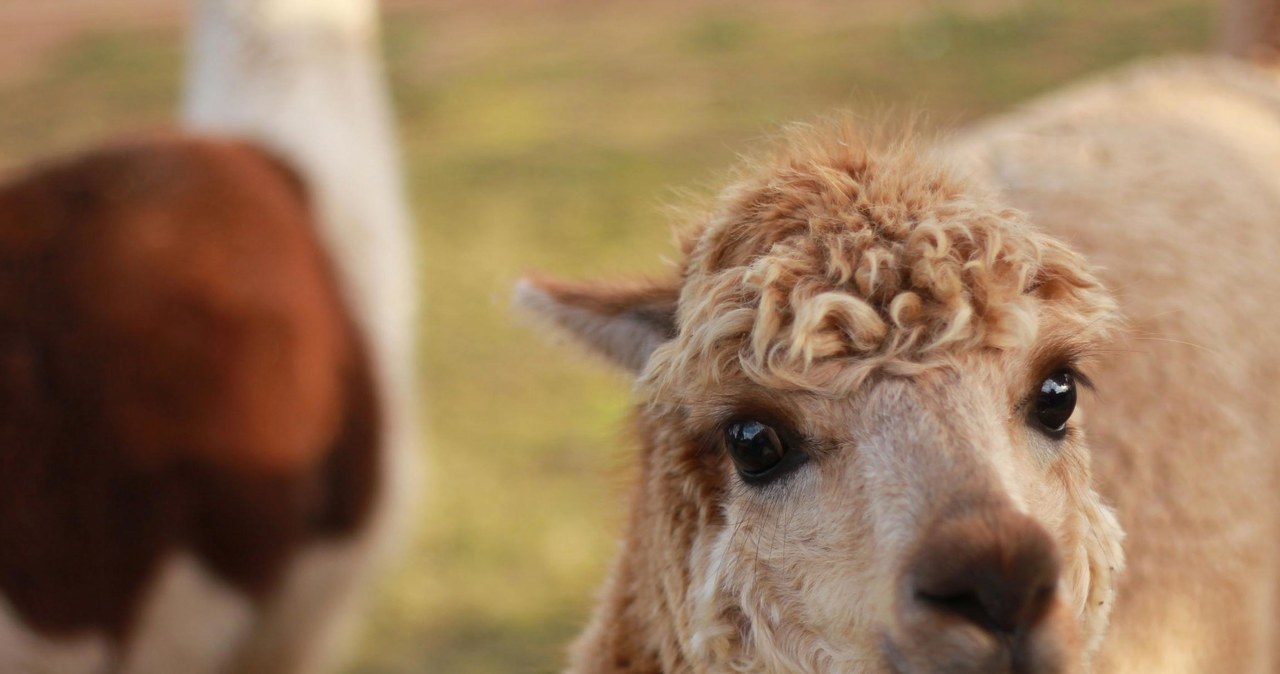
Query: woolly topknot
x: 834, y: 259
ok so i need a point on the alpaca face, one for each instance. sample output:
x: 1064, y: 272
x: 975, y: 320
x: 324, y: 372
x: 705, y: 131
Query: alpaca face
x: 924, y: 524
x: 861, y: 447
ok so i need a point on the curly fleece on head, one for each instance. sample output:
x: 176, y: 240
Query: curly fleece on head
x: 839, y: 258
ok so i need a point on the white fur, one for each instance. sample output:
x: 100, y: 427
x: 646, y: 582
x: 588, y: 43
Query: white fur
x: 23, y: 651
x: 306, y: 626
x: 170, y: 631
x: 192, y: 619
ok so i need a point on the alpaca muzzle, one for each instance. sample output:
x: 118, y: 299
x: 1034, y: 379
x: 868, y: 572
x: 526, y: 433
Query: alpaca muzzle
x: 979, y: 596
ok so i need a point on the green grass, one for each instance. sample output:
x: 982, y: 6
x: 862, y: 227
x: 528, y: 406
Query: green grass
x: 550, y: 139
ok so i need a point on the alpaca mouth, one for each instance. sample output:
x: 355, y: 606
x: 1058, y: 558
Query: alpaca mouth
x: 891, y: 655
x: 1002, y: 654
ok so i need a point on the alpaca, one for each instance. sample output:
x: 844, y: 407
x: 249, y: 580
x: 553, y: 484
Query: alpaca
x: 205, y: 339
x: 860, y: 448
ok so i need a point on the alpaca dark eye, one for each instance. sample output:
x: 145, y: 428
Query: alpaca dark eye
x: 756, y: 448
x: 1055, y: 402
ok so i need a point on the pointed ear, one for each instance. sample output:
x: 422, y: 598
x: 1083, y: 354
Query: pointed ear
x: 622, y: 322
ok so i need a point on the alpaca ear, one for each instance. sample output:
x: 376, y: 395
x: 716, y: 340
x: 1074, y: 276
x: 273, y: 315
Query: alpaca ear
x: 623, y: 323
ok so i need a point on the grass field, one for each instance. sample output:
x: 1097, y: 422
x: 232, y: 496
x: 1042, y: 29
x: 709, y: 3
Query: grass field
x: 551, y: 137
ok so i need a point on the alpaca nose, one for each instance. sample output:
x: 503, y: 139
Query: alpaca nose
x: 994, y: 568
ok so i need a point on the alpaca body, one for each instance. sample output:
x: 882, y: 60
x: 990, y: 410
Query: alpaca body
x: 1167, y: 176
x: 860, y: 443
x: 210, y: 490
x: 191, y: 431
x: 303, y: 78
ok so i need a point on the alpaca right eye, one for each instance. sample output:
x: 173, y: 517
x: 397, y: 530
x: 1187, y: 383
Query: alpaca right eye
x: 756, y: 448
x: 1054, y: 403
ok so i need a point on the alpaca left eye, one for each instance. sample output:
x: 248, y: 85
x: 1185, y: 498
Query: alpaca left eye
x: 1055, y: 402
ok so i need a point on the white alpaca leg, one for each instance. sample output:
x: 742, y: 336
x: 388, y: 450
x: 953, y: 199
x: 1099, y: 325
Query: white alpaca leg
x: 190, y: 617
x: 23, y: 651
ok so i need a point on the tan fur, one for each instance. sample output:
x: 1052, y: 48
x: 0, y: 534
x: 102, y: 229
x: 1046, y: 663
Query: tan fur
x: 1166, y: 176
x: 895, y: 307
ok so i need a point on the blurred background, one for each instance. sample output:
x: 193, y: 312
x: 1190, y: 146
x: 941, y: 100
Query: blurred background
x: 549, y: 135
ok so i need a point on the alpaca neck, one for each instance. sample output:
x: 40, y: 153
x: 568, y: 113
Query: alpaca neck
x: 622, y: 637
x: 304, y: 79
x: 637, y: 624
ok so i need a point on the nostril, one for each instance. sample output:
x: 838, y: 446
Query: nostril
x: 966, y: 605
x: 1002, y: 610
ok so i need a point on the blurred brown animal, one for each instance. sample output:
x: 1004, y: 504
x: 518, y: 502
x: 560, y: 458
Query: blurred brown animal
x: 206, y: 372
x: 184, y: 397
x: 860, y: 449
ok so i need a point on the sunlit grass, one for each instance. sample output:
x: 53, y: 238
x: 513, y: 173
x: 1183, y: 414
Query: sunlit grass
x: 550, y: 139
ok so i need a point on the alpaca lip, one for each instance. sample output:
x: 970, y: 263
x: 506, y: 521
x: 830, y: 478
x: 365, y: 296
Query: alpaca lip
x: 892, y: 656
x: 896, y: 663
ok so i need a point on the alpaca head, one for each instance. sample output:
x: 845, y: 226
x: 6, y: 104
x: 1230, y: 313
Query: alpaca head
x: 861, y: 447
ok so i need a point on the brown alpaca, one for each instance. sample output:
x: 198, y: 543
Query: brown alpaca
x: 859, y: 444
x: 179, y: 376
x: 205, y: 366
x: 182, y: 387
